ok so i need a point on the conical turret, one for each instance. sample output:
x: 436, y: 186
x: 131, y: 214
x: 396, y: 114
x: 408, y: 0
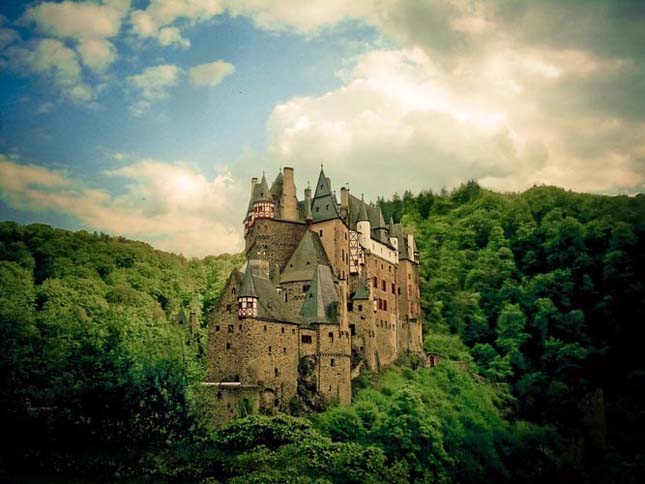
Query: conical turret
x: 247, y: 300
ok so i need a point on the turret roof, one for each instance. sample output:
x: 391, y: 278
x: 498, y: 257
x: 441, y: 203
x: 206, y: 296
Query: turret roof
x: 248, y: 284
x: 362, y: 213
x: 263, y: 194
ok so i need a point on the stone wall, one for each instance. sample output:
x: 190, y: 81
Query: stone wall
x: 382, y: 278
x: 334, y: 361
x: 275, y: 240
x: 334, y: 235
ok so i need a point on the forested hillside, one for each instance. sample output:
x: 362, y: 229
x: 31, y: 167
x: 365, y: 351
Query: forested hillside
x: 546, y: 289
x: 533, y: 303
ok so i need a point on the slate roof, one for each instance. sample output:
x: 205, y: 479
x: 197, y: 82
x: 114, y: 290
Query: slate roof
x: 324, y: 205
x: 362, y: 290
x: 321, y: 302
x: 262, y: 192
x: 248, y: 283
x: 270, y: 303
x: 309, y: 253
x: 396, y: 230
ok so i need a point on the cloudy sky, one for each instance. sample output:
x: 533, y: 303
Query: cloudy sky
x: 147, y: 118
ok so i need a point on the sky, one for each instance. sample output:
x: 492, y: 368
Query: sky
x: 147, y: 119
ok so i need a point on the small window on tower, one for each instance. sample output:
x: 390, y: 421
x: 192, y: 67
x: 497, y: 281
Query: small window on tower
x: 332, y: 362
x: 320, y: 232
x: 228, y: 346
x: 331, y: 336
x: 276, y: 371
x: 216, y: 328
x: 228, y: 308
x: 305, y: 287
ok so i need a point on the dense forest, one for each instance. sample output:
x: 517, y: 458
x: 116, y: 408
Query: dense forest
x: 533, y: 303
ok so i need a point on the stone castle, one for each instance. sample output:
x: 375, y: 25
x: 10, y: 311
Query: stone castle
x: 328, y: 288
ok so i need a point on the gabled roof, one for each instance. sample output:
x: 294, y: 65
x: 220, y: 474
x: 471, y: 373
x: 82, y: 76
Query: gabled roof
x: 309, y: 253
x: 321, y: 302
x: 362, y: 290
x: 324, y: 205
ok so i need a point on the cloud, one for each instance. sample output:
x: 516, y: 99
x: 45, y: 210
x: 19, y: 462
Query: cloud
x: 51, y: 59
x: 402, y: 112
x: 171, y: 205
x: 156, y: 20
x: 153, y: 84
x: 210, y: 74
x: 88, y: 24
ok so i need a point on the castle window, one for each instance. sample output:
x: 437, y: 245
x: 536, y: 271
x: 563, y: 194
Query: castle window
x: 332, y: 362
x: 393, y: 289
x: 269, y: 350
x: 360, y: 307
x: 384, y: 304
x: 282, y: 329
x: 228, y: 346
x: 305, y: 287
x: 230, y: 328
x: 352, y: 328
x: 399, y: 290
x: 265, y: 327
x: 284, y: 350
x: 306, y: 339
x: 331, y: 336
x: 375, y: 282
x: 383, y: 285
x: 228, y: 308
x: 233, y: 291
x: 276, y: 371
x: 293, y: 331
x: 286, y: 297
x: 219, y: 395
x: 317, y: 209
x: 320, y: 232
x: 240, y: 327
x: 326, y: 207
x: 350, y: 306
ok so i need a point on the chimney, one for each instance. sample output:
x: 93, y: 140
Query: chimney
x: 344, y: 198
x: 289, y: 199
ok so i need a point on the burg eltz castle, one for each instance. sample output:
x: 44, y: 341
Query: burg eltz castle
x: 328, y: 288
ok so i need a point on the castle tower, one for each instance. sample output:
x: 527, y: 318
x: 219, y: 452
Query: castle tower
x: 288, y: 201
x: 363, y: 225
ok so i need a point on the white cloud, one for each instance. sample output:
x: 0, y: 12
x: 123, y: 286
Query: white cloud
x: 153, y: 84
x: 210, y: 74
x: 400, y: 112
x: 154, y: 21
x: 88, y: 24
x: 53, y: 60
x: 170, y: 205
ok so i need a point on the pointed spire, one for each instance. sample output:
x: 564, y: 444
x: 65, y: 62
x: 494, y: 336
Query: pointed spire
x: 381, y: 219
x: 263, y: 194
x: 322, y: 188
x: 248, y: 286
x: 362, y: 213
x: 391, y: 220
x: 321, y: 302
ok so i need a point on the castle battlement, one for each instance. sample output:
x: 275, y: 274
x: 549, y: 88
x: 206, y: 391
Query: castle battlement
x: 328, y: 288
